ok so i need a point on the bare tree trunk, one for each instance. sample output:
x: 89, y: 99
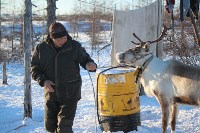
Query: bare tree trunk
x: 51, y: 13
x: 196, y: 30
x: 4, y: 76
x: 172, y: 25
x: 0, y: 23
x: 94, y: 20
x: 27, y: 58
x: 13, y: 28
x: 21, y: 36
x: 4, y: 73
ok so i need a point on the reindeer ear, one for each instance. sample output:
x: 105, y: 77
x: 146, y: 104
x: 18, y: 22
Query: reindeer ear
x: 146, y: 46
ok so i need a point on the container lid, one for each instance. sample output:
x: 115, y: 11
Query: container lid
x: 119, y: 70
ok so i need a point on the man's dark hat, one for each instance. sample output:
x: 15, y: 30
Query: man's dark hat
x: 57, y: 30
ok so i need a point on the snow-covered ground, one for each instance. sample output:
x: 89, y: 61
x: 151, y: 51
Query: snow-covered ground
x: 12, y: 98
x: 11, y: 109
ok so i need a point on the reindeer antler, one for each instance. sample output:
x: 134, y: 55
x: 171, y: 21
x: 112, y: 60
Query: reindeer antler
x: 163, y: 34
x: 137, y: 38
x: 140, y: 43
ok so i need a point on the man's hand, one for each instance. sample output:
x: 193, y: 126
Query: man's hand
x: 91, y: 66
x: 48, y: 86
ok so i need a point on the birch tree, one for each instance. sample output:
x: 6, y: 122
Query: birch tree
x: 27, y: 58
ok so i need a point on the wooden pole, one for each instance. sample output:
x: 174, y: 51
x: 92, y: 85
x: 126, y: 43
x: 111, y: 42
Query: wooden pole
x: 27, y: 58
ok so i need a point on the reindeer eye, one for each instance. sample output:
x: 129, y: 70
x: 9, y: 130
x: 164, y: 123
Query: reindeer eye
x: 146, y: 47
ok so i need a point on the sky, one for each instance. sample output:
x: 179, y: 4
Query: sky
x: 64, y: 6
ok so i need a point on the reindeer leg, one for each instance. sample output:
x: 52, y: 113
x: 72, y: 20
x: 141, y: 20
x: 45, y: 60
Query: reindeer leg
x: 173, y: 116
x: 165, y: 115
x: 164, y: 103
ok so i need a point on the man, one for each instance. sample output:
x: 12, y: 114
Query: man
x: 55, y: 66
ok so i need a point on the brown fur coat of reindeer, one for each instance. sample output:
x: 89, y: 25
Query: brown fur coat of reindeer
x: 171, y: 81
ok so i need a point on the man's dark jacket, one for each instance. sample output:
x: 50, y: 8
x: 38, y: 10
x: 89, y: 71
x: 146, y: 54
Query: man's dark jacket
x: 60, y: 67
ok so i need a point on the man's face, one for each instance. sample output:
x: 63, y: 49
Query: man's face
x: 58, y: 42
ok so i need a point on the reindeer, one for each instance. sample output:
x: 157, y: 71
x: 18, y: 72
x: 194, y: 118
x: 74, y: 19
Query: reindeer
x: 171, y: 82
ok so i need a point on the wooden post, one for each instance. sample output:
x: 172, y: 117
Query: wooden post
x: 27, y: 58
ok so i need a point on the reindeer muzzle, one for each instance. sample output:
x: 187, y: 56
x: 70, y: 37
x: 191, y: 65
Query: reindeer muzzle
x: 120, y: 58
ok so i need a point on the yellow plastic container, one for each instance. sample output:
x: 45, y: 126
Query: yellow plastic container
x: 118, y: 97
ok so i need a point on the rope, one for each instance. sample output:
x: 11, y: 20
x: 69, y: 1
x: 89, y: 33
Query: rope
x: 94, y: 100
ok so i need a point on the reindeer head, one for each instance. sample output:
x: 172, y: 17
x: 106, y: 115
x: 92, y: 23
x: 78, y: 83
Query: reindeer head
x: 139, y: 51
x: 132, y: 55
